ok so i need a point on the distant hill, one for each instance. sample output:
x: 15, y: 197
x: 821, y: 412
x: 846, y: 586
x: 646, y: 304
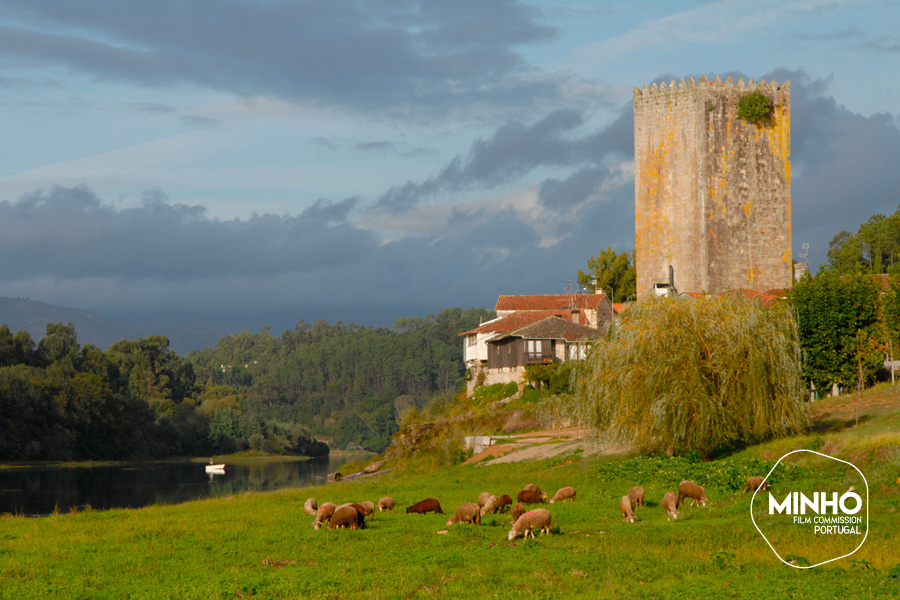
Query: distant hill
x: 33, y: 316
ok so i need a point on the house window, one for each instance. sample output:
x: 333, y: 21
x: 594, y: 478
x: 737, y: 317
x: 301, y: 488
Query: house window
x: 471, y: 340
x: 534, y: 349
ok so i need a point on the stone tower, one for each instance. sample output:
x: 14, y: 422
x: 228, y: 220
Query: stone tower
x: 712, y: 192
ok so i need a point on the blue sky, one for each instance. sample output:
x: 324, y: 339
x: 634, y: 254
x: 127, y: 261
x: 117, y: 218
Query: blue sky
x: 240, y: 163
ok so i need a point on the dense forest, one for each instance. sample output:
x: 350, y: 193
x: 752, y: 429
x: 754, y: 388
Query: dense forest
x: 136, y: 400
x: 347, y: 383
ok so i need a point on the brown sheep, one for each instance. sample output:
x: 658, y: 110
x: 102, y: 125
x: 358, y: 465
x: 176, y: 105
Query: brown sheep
x: 670, y: 504
x: 490, y: 507
x: 346, y: 516
x: 517, y: 511
x: 386, y: 503
x: 505, y: 503
x: 310, y: 507
x: 368, y: 508
x: 755, y: 483
x: 361, y: 510
x: 563, y: 494
x: 530, y: 497
x: 533, y: 488
x: 483, y: 497
x: 627, y: 511
x: 425, y: 506
x: 689, y: 489
x: 637, y: 496
x: 467, y: 513
x: 538, y: 518
x: 324, y: 514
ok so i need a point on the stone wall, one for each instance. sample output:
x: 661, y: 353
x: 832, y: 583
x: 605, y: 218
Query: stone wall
x: 712, y: 192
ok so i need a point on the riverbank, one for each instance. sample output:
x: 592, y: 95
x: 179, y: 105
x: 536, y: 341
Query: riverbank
x: 262, y: 545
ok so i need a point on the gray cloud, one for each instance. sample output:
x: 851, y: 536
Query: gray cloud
x: 68, y: 246
x: 843, y: 164
x: 152, y: 107
x: 376, y: 147
x: 323, y: 211
x: 884, y: 44
x: 420, y: 56
x: 71, y: 233
x: 198, y: 121
x: 513, y: 150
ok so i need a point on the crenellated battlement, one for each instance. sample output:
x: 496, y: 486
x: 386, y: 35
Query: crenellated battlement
x: 704, y: 84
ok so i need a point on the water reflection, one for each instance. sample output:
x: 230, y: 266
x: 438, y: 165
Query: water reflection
x: 39, y: 490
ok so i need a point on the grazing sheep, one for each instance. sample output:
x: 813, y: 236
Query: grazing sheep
x: 491, y: 506
x: 368, y: 508
x: 689, y: 489
x: 467, y: 513
x: 637, y: 496
x: 627, y: 511
x: 670, y: 504
x: 538, y: 518
x: 386, y: 503
x: 483, y: 497
x: 310, y: 507
x: 361, y: 510
x: 566, y: 493
x: 425, y: 506
x: 505, y: 503
x: 755, y: 483
x: 533, y: 488
x: 517, y: 511
x: 346, y: 516
x: 324, y: 514
x: 530, y: 497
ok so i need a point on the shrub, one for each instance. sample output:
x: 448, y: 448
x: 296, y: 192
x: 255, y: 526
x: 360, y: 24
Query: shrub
x: 754, y: 107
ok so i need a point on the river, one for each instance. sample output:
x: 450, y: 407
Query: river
x: 40, y: 490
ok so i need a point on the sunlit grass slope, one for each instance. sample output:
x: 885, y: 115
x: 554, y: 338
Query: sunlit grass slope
x: 261, y: 545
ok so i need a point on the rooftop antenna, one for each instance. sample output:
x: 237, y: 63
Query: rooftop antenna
x: 568, y: 289
x: 805, y: 254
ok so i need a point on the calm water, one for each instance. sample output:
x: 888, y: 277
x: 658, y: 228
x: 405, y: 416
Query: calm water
x: 38, y: 490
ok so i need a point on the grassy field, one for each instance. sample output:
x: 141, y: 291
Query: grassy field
x: 261, y: 545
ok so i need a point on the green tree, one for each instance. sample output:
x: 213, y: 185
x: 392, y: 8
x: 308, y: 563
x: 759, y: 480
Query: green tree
x: 682, y: 375
x: 611, y: 271
x: 845, y: 253
x: 835, y: 314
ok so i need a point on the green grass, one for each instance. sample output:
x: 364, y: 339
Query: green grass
x: 261, y: 545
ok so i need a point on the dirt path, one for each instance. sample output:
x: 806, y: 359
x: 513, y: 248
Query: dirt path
x: 536, y: 445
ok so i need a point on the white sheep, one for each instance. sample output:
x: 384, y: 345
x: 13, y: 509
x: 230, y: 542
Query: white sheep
x: 538, y: 518
x: 627, y: 511
x: 637, y: 496
x: 562, y: 494
x: 310, y: 507
x: 670, y: 504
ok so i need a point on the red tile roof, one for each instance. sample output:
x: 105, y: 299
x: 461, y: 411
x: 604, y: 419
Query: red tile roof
x: 521, y: 319
x: 549, y: 302
x: 555, y: 328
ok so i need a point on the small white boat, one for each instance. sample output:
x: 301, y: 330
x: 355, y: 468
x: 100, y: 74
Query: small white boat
x: 215, y: 468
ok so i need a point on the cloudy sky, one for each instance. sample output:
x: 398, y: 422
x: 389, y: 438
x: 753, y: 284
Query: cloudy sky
x: 240, y: 162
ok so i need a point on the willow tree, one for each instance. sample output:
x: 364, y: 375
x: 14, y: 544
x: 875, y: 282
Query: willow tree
x: 695, y: 374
